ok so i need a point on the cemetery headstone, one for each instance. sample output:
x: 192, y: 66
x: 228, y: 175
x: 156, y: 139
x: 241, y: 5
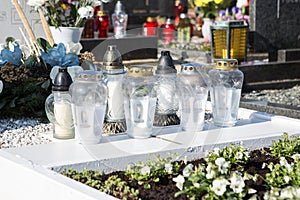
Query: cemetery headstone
x: 274, y: 25
x: 139, y: 10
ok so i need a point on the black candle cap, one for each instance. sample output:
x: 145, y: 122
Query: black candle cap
x: 165, y: 64
x: 62, y: 80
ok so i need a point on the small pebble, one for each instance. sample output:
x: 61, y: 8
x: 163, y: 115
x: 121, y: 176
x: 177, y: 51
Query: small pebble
x: 22, y: 132
x: 289, y: 96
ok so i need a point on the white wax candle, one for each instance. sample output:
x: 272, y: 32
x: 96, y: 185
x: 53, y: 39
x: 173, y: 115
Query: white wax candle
x: 63, y: 127
x: 115, y: 101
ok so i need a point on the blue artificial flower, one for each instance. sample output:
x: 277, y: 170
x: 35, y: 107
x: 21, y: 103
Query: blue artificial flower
x: 2, y: 61
x: 222, y: 13
x: 234, y: 10
x: 14, y: 57
x: 57, y: 56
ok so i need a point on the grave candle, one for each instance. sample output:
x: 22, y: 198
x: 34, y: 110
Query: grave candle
x: 58, y: 106
x: 139, y: 101
x: 114, y: 73
x: 193, y: 92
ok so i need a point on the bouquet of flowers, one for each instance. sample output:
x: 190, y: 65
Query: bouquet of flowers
x: 208, y: 8
x: 65, y: 13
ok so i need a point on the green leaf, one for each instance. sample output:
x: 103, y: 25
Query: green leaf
x: 147, y: 186
x: 12, y: 103
x: 46, y: 84
x: 10, y: 39
x: 44, y: 44
x: 29, y: 62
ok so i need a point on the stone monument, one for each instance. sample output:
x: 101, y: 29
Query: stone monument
x: 139, y: 10
x: 275, y: 25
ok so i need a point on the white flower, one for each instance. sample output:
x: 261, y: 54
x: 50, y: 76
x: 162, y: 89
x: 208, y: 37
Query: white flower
x: 222, y: 165
x: 36, y: 3
x: 168, y: 167
x: 220, y: 161
x: 216, y: 151
x: 287, y: 193
x: 179, y: 181
x: 11, y: 46
x: 187, y: 170
x: 296, y: 156
x: 219, y: 186
x: 145, y: 170
x: 210, y: 173
x: 237, y: 183
x: 282, y: 161
x: 286, y: 179
x: 297, y: 192
x: 197, y: 185
x: 239, y: 155
x: 86, y: 12
x: 72, y: 47
x: 96, y: 3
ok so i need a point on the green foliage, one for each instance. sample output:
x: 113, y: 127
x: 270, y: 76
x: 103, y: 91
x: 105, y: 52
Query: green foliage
x: 288, y: 192
x: 196, y: 184
x: 211, y: 181
x: 26, y: 99
x: 284, y: 173
x: 221, y: 175
x: 152, y: 170
x: 44, y: 44
x: 286, y: 146
x: 113, y: 185
x: 235, y: 154
x: 216, y: 179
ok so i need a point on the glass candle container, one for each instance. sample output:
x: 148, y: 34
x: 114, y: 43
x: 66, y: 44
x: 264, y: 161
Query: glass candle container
x: 102, y: 24
x: 139, y: 101
x: 114, y: 73
x: 184, y: 29
x: 89, y: 98
x: 88, y: 31
x: 193, y: 91
x: 151, y: 27
x: 119, y: 20
x: 58, y: 106
x: 168, y: 32
x: 225, y: 92
x: 167, y: 101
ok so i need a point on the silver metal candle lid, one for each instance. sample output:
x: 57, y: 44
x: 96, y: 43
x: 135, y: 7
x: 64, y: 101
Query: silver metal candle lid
x: 140, y: 70
x: 119, y: 8
x: 112, y: 58
x: 89, y: 75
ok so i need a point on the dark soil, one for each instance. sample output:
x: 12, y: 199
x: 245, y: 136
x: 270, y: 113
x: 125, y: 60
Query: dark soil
x: 165, y: 189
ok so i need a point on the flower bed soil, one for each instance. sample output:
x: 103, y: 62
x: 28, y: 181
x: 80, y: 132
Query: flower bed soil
x: 166, y: 188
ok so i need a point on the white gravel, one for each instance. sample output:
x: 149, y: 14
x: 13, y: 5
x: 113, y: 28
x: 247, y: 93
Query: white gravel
x: 289, y: 96
x: 21, y: 132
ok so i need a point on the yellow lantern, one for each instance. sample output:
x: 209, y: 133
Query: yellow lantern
x: 229, y: 40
